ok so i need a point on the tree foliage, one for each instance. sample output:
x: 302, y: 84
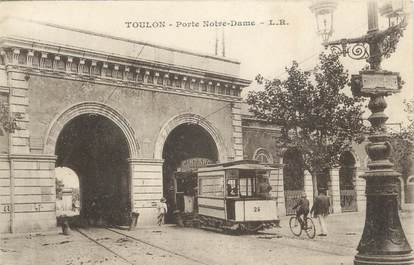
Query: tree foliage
x: 7, y: 121
x: 314, y: 113
x: 403, y: 144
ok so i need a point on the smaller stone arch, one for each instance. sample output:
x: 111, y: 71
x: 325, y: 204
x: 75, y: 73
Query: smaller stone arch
x: 356, y: 158
x: 410, y: 180
x: 191, y: 118
x: 347, y: 169
x: 262, y: 155
x: 92, y: 107
x: 347, y: 175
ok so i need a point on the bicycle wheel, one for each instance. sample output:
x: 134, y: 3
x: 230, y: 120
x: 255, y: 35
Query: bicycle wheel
x: 310, y: 229
x: 295, y: 226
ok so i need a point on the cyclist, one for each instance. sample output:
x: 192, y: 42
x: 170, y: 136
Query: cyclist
x: 302, y: 209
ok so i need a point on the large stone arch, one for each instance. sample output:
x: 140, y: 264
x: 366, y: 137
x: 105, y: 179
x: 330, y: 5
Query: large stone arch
x: 175, y: 121
x: 89, y: 107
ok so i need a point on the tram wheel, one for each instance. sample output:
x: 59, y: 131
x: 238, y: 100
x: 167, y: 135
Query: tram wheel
x: 295, y: 226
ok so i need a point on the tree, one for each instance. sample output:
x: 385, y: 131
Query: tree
x: 316, y: 116
x: 403, y: 144
x: 7, y: 122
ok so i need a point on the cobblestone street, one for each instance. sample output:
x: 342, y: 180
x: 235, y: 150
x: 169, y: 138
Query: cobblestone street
x: 159, y: 245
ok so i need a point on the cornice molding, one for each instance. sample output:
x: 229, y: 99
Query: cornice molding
x: 120, y: 83
x: 31, y: 157
x: 89, y: 56
x: 254, y: 128
x: 145, y: 161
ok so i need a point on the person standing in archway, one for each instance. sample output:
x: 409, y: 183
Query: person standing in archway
x: 320, y: 209
x: 263, y: 188
x: 162, y: 211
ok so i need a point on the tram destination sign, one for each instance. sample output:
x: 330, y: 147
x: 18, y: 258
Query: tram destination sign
x: 193, y: 164
x: 373, y: 82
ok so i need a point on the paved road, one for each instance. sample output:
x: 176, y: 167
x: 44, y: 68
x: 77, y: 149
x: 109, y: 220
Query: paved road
x: 173, y: 245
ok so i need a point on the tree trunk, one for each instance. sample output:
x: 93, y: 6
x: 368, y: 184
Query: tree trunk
x: 314, y: 184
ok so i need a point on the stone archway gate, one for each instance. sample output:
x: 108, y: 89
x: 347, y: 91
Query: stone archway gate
x: 62, y: 72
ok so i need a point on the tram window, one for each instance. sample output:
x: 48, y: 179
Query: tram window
x: 231, y: 187
x: 211, y: 186
x: 247, y: 187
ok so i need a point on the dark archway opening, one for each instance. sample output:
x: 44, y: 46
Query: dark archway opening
x: 96, y: 149
x: 293, y: 178
x: 184, y: 142
x: 347, y: 171
x: 323, y: 179
x: 293, y: 170
x: 347, y: 179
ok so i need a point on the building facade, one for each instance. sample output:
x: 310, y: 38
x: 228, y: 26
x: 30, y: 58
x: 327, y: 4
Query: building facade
x: 290, y: 180
x: 121, y: 114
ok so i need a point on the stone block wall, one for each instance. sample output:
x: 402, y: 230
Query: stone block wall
x: 146, y: 188
x: 334, y: 190
x: 308, y: 186
x: 19, y: 102
x: 28, y: 195
x: 27, y: 182
x: 237, y: 131
x: 360, y: 191
x: 5, y: 207
x: 34, y: 193
x: 276, y: 181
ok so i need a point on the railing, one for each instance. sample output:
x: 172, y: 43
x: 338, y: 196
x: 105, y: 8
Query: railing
x: 348, y: 200
x: 291, y: 198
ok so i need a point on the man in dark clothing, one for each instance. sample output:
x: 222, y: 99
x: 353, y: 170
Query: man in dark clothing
x: 320, y: 209
x: 263, y: 188
x: 302, y: 209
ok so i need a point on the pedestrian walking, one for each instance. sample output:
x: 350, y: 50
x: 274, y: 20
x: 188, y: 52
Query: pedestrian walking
x: 162, y: 211
x: 320, y: 209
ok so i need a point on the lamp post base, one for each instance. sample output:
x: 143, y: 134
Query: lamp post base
x: 383, y: 241
x: 402, y: 259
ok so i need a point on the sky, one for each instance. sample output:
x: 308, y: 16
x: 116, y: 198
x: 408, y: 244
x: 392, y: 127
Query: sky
x: 261, y: 48
x: 67, y: 176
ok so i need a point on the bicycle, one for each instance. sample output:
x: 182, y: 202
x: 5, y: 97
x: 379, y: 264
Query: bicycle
x: 297, y: 228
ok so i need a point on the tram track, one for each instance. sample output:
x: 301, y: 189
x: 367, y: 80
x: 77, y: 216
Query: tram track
x: 343, y: 247
x: 124, y: 251
x: 159, y: 247
x: 103, y: 246
x: 140, y: 241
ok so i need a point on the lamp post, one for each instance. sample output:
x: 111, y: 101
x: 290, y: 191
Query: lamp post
x: 383, y: 240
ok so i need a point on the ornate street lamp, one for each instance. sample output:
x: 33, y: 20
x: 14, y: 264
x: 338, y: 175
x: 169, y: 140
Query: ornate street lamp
x: 383, y: 240
x: 394, y: 11
x: 323, y: 11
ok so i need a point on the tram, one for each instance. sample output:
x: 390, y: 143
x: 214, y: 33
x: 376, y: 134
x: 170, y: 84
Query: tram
x: 231, y: 197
